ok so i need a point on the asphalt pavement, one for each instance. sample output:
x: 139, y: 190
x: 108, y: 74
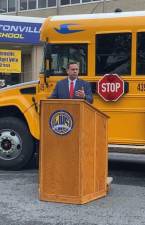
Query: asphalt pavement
x: 123, y: 205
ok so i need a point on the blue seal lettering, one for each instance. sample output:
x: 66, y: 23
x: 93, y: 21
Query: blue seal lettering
x: 61, y: 122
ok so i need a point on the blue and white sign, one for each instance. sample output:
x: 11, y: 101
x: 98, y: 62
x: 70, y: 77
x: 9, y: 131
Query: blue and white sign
x: 61, y: 122
x: 20, y: 32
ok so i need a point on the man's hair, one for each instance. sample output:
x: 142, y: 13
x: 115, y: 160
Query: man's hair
x: 71, y: 63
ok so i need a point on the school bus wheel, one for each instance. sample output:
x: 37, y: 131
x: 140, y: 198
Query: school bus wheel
x: 16, y: 143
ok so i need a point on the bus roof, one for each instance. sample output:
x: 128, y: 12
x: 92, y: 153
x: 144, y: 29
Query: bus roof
x: 73, y: 28
x: 98, y: 16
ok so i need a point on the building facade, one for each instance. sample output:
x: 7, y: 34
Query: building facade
x: 45, y: 8
x: 20, y: 49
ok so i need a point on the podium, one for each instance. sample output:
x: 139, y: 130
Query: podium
x: 73, y: 164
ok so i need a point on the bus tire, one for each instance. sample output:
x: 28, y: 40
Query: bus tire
x: 16, y: 144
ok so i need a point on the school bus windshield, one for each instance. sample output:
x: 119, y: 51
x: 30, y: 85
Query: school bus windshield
x: 60, y: 55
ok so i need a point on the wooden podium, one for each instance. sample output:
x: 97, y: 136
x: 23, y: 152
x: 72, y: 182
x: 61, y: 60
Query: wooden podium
x: 73, y: 164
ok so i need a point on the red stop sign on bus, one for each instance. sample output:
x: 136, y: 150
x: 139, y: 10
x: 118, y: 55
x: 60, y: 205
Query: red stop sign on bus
x: 110, y: 87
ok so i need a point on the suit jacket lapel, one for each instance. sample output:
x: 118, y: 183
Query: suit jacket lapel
x: 66, y: 86
x: 76, y: 86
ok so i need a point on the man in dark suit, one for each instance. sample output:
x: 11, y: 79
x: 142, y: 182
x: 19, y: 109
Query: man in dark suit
x: 72, y: 87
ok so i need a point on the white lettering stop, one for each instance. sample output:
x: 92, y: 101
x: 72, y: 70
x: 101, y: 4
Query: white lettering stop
x: 110, y: 87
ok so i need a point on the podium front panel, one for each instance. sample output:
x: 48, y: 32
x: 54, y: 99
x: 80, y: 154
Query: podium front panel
x: 60, y: 156
x: 73, y: 152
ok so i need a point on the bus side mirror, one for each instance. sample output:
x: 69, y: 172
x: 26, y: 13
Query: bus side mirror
x: 47, y: 70
x: 47, y: 60
x: 47, y: 73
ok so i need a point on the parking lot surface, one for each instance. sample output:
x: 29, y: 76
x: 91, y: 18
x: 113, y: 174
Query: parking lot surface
x: 20, y: 205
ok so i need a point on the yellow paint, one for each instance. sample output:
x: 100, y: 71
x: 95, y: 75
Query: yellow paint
x: 127, y: 115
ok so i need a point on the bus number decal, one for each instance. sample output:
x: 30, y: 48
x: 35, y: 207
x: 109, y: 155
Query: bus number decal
x: 141, y: 87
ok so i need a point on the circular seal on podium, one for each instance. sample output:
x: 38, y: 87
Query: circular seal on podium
x: 61, y: 122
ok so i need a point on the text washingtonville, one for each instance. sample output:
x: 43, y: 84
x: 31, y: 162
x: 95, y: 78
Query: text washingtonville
x: 19, y: 28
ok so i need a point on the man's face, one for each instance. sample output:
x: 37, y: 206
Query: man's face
x: 73, y: 71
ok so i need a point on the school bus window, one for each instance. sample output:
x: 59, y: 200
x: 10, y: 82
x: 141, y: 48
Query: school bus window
x: 61, y: 55
x: 113, y: 53
x: 140, y: 53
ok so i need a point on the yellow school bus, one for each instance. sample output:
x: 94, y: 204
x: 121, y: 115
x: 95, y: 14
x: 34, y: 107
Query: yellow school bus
x: 106, y: 46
